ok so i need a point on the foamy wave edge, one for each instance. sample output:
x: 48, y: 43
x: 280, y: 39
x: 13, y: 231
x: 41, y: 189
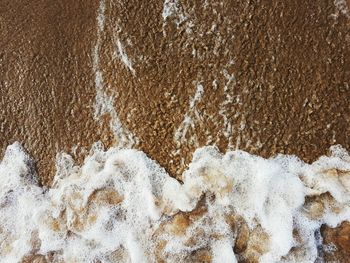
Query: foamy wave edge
x: 121, y: 206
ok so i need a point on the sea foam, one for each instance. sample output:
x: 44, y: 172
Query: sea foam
x: 121, y: 206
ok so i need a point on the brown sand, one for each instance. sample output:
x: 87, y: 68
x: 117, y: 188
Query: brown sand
x: 47, y: 86
x: 289, y: 63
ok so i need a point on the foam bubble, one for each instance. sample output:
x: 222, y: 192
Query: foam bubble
x: 121, y: 206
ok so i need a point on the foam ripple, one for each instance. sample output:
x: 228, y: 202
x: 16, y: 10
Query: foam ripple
x: 121, y: 206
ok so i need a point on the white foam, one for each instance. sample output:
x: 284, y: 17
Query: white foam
x: 191, y: 116
x: 121, y: 53
x: 226, y: 105
x: 122, y: 206
x: 104, y: 103
x: 172, y: 8
x: 96, y: 57
x: 223, y: 253
x: 342, y: 7
x: 174, y: 11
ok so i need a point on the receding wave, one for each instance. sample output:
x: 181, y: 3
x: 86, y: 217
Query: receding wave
x: 121, y: 206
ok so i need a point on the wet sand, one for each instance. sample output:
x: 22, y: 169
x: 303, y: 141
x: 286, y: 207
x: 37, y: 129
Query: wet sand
x: 47, y: 87
x: 285, y: 68
x: 271, y: 77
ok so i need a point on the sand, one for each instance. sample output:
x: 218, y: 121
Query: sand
x: 47, y: 88
x: 267, y: 77
x: 288, y: 64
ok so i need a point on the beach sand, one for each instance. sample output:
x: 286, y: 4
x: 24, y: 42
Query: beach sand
x: 285, y: 68
x: 266, y: 77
